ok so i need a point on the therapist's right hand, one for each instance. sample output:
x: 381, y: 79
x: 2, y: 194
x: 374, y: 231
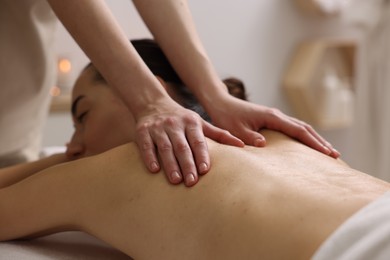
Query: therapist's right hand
x: 177, y: 136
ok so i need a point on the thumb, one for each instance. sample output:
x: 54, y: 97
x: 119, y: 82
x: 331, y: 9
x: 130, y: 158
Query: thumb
x: 221, y: 136
x: 251, y: 137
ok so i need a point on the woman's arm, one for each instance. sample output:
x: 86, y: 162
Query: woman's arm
x: 42, y: 204
x: 13, y: 174
x: 172, y: 25
x: 173, y: 28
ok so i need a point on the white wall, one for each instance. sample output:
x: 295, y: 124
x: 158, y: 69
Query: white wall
x: 250, y: 39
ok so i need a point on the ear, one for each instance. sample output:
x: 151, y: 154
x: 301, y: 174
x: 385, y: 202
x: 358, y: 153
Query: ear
x: 163, y: 83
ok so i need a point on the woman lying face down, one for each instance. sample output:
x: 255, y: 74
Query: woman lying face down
x: 279, y: 202
x: 101, y: 119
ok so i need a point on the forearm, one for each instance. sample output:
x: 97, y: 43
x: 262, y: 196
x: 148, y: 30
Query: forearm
x: 178, y: 37
x: 96, y: 31
x: 14, y: 174
x: 45, y: 203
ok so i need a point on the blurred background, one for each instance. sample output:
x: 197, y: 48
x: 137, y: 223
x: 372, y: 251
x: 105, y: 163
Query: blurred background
x: 257, y: 41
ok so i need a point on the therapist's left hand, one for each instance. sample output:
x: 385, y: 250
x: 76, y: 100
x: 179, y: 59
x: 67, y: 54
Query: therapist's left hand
x: 244, y: 120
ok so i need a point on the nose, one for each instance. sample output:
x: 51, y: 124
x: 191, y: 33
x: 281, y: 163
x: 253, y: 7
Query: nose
x: 75, y: 148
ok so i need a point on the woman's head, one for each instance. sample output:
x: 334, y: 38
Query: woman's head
x: 102, y: 120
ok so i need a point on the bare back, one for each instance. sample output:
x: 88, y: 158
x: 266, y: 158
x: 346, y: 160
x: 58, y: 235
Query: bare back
x: 275, y: 202
x: 281, y: 201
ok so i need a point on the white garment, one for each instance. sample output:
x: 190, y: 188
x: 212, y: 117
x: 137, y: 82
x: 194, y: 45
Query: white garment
x: 366, y: 235
x: 27, y: 71
x: 372, y: 146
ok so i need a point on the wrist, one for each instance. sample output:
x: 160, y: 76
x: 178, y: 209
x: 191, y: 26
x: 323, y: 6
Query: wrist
x: 148, y: 97
x: 215, y: 99
x: 158, y: 104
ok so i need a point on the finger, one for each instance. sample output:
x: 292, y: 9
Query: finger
x: 301, y: 132
x: 312, y: 131
x: 167, y: 156
x: 296, y: 129
x: 221, y: 136
x: 251, y: 137
x: 148, y: 150
x: 333, y: 152
x: 184, y: 157
x: 198, y: 144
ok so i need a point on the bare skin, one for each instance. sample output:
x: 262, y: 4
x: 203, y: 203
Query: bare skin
x: 281, y: 201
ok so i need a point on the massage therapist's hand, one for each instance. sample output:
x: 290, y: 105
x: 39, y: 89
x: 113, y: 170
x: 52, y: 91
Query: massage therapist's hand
x: 177, y: 135
x: 244, y: 119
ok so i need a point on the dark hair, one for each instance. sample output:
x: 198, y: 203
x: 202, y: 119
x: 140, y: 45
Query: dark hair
x: 159, y: 65
x: 236, y: 88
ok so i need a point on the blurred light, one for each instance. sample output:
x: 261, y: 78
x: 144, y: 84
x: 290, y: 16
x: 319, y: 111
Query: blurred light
x: 55, y: 91
x: 64, y: 65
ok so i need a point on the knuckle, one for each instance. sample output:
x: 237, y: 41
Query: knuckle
x: 198, y: 143
x: 274, y: 112
x: 191, y: 119
x: 143, y: 127
x: 301, y: 131
x: 182, y: 147
x: 145, y: 146
x: 226, y: 132
x: 165, y: 146
x: 170, y: 121
x: 308, y: 127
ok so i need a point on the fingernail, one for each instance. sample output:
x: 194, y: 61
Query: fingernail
x: 258, y: 142
x: 175, y: 177
x: 203, y: 168
x: 154, y: 166
x: 327, y: 150
x: 190, y: 178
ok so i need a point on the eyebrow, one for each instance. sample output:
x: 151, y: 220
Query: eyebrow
x: 75, y: 103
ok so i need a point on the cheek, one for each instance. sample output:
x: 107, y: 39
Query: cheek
x: 97, y: 131
x: 107, y: 131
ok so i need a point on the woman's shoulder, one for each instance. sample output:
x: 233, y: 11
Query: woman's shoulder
x: 128, y: 149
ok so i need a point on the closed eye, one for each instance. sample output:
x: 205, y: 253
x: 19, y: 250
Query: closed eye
x: 81, y: 117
